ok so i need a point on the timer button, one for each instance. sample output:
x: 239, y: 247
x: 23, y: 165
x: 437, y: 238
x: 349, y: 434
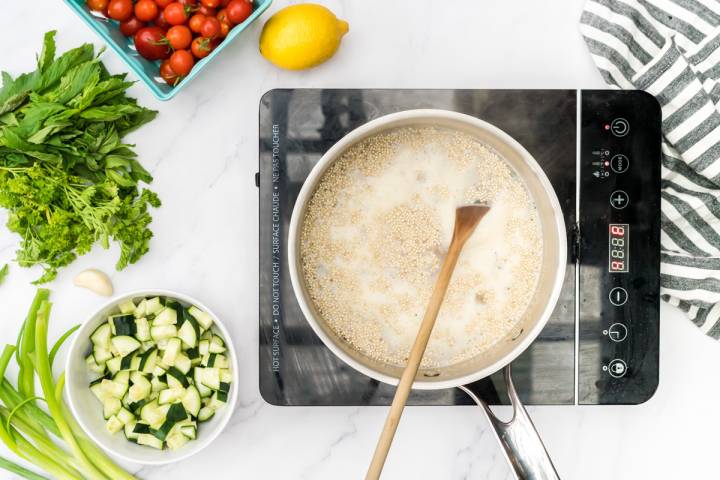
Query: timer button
x: 619, y: 127
x: 617, y: 332
x: 618, y: 296
x: 619, y: 199
x: 619, y: 163
x: 616, y: 368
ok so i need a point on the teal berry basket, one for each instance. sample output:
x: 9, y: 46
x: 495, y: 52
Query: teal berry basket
x: 146, y: 70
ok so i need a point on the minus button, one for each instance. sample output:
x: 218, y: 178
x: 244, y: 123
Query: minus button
x: 618, y: 296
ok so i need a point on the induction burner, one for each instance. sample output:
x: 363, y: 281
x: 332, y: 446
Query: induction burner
x: 601, y: 151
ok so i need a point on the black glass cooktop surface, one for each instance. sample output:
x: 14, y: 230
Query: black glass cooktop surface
x: 599, y: 347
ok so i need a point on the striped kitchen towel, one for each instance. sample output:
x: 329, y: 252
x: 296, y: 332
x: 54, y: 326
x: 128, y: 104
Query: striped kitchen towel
x: 671, y: 49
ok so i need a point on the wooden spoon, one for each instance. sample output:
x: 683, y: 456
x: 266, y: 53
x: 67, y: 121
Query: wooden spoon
x: 466, y: 219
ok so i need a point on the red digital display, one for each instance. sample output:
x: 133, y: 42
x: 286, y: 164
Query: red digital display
x: 618, y: 251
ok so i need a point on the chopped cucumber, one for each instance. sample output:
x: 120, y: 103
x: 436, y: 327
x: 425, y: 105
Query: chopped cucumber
x: 189, y: 431
x: 216, y: 360
x: 153, y: 305
x: 171, y: 351
x: 150, y: 441
x: 162, y: 332
x: 127, y: 306
x: 204, y: 347
x: 114, y: 364
x: 111, y: 388
x: 101, y: 354
x: 197, y: 380
x: 188, y: 334
x: 166, y: 316
x: 141, y: 387
x: 176, y: 440
x: 170, y: 395
x: 216, y: 345
x: 125, y: 344
x: 191, y: 401
x: 183, y: 363
x: 203, y: 318
x: 175, y: 413
x: 210, y: 377
x: 114, y: 425
x: 93, y: 366
x: 141, y: 309
x: 129, y: 431
x: 217, y: 400
x: 205, y: 414
x: 142, y: 329
x: 157, y: 384
x: 126, y: 362
x: 176, y: 374
x: 148, y: 360
x: 151, y: 414
x: 122, y: 377
x: 125, y: 416
x: 122, y: 324
x: 101, y: 336
x: 111, y: 406
x: 162, y: 367
x: 225, y: 375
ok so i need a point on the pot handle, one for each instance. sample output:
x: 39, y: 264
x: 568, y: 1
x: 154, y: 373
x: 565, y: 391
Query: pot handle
x: 523, y: 448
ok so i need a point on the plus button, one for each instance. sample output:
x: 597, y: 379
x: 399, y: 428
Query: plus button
x: 619, y: 199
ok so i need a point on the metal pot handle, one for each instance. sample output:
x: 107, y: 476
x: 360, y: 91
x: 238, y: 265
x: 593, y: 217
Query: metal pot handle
x: 520, y: 441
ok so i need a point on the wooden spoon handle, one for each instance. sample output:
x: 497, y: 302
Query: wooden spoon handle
x: 416, y: 355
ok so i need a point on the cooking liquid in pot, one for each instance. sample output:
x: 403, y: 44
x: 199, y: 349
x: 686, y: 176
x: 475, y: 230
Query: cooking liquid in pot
x: 376, y: 231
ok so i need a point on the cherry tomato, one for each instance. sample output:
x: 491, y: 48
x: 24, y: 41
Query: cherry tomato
x: 210, y: 27
x: 182, y: 62
x: 201, y: 47
x: 146, y: 10
x: 207, y: 11
x: 163, y: 3
x: 238, y: 11
x: 120, y: 10
x: 188, y: 3
x: 97, y: 5
x: 176, y: 13
x: 161, y: 22
x: 211, y: 3
x: 196, y: 22
x: 225, y: 28
x: 168, y: 74
x: 222, y: 16
x: 149, y: 43
x: 131, y: 27
x: 179, y: 37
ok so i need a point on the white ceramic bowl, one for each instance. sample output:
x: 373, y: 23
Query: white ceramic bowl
x: 88, y: 410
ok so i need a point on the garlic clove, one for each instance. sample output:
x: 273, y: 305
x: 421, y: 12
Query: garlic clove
x: 95, y: 281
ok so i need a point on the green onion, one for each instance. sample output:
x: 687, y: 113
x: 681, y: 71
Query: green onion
x: 51, y: 440
x: 17, y: 469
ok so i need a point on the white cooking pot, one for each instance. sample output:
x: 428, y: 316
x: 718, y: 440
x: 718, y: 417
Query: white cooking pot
x: 532, y: 461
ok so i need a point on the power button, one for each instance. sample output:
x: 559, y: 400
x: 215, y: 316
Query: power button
x: 620, y: 127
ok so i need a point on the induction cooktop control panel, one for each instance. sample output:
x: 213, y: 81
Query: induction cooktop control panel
x: 619, y: 258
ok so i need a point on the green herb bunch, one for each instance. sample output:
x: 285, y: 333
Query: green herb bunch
x: 66, y: 178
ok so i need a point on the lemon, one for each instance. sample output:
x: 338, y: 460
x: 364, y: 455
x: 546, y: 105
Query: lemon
x: 301, y: 36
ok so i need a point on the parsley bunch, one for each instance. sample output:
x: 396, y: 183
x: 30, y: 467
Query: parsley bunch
x: 66, y: 178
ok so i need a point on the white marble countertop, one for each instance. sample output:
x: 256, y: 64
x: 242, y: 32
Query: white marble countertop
x: 203, y: 151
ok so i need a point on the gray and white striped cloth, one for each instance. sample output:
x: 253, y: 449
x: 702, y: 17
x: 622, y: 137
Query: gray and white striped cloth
x: 671, y: 49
